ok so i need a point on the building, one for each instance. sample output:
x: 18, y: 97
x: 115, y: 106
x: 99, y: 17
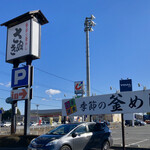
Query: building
x: 56, y: 113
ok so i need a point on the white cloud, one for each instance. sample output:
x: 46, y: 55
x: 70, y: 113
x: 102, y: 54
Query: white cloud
x: 44, y: 99
x: 51, y: 92
x: 6, y: 84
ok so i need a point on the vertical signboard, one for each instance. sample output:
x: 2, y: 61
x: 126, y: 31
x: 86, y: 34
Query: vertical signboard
x: 79, y: 87
x: 23, y: 40
x: 18, y: 41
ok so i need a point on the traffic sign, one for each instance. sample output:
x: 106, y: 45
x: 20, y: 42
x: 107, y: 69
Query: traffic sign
x: 79, y: 87
x: 9, y: 100
x: 20, y: 94
x: 20, y: 76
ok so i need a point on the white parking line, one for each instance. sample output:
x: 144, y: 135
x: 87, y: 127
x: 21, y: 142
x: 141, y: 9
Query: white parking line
x: 138, y: 142
x: 119, y: 138
x: 116, y: 138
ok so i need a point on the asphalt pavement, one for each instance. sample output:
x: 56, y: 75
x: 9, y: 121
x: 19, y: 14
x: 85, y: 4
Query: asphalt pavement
x: 113, y: 148
x: 138, y: 136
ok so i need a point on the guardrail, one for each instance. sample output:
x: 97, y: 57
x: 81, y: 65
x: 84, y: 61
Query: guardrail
x: 34, y: 130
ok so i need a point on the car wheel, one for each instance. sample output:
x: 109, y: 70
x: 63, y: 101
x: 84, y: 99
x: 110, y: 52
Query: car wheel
x: 65, y: 147
x: 106, y: 146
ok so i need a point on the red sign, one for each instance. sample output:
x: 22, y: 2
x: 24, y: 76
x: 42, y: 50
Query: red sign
x: 20, y: 94
x: 78, y: 87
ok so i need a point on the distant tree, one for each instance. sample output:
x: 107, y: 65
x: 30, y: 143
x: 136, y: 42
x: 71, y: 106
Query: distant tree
x: 148, y: 113
x: 1, y: 108
x: 6, y: 116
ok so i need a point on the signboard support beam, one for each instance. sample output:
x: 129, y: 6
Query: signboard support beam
x: 28, y: 105
x: 14, y: 104
x: 123, y: 135
x: 125, y: 86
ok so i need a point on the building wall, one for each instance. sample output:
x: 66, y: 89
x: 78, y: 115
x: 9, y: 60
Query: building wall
x: 116, y: 117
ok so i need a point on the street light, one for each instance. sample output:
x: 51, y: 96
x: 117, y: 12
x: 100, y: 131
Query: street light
x: 88, y: 24
x: 144, y: 87
x: 117, y: 91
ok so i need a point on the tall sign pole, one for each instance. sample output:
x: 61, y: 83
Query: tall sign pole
x: 89, y: 23
x: 14, y: 106
x: 23, y: 45
x: 28, y: 102
x: 125, y: 86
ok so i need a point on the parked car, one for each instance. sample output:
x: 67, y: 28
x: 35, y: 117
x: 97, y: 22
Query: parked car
x: 136, y: 123
x: 1, y: 124
x: 33, y: 123
x: 128, y: 122
x: 147, y: 121
x: 6, y: 124
x: 74, y: 136
x: 139, y: 123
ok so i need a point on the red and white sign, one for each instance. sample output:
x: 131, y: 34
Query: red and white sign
x: 20, y: 94
x: 79, y: 87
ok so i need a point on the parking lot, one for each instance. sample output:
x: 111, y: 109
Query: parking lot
x: 138, y: 136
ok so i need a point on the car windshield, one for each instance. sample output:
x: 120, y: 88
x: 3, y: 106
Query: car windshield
x: 62, y: 130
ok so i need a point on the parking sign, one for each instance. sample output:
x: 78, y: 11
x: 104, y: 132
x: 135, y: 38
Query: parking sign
x: 20, y: 76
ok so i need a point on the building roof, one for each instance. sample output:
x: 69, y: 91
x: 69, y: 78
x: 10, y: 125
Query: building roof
x: 31, y: 14
x: 46, y: 112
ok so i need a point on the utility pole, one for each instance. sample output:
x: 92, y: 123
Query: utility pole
x: 89, y: 23
x: 37, y: 105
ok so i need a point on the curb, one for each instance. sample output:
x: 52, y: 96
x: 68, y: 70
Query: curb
x: 112, y: 148
x: 17, y: 148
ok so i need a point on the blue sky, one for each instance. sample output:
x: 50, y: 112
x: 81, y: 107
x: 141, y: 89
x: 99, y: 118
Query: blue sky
x: 119, y: 47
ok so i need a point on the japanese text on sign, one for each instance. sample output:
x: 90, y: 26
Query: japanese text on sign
x: 125, y: 102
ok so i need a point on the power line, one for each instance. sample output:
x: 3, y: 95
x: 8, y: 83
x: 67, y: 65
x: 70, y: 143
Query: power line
x: 45, y: 98
x: 54, y: 75
x: 5, y: 90
x: 34, y: 103
x: 46, y: 86
x: 43, y: 104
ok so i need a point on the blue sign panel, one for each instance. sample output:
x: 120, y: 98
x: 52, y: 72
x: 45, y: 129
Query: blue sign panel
x: 20, y: 77
x: 125, y: 85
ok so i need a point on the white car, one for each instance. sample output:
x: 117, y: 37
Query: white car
x: 34, y: 124
x: 7, y: 124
